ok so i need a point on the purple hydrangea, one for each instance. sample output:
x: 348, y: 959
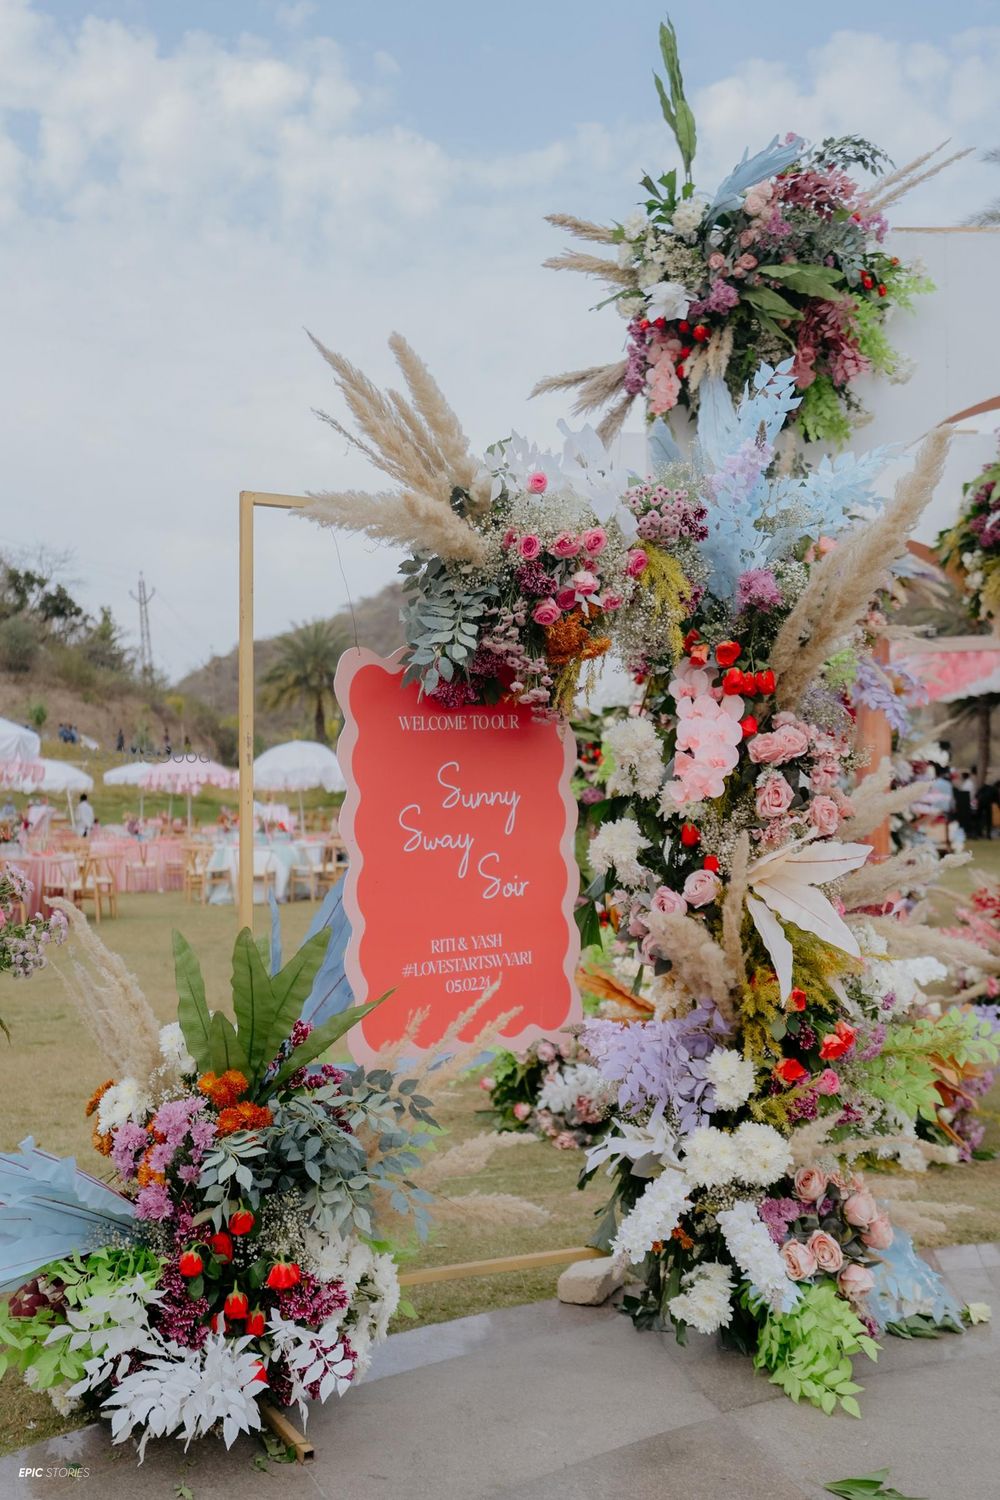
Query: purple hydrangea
x: 777, y: 1214
x: 661, y: 1063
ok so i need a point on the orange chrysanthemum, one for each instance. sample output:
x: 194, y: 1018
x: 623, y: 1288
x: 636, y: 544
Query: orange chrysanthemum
x: 102, y: 1141
x: 145, y: 1174
x: 570, y: 640
x: 244, y: 1116
x: 224, y: 1091
x: 96, y: 1098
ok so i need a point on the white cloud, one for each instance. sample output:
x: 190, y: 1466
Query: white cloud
x: 173, y: 218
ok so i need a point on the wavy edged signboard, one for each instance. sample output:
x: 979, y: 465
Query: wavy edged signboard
x: 459, y: 824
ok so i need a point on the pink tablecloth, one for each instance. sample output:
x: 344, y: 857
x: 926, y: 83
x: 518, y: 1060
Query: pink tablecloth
x: 46, y: 866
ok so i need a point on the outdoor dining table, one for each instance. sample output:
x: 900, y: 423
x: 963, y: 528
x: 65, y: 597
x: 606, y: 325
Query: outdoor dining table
x: 270, y: 856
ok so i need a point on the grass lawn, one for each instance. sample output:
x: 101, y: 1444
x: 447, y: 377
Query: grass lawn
x: 51, y: 1066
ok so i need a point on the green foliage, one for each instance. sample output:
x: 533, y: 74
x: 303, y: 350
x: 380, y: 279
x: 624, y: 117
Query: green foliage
x: 319, y: 1040
x: 304, y: 669
x: 907, y: 1070
x: 20, y: 641
x: 442, y: 617
x: 676, y: 110
x: 812, y: 281
x: 808, y: 1350
x: 850, y: 151
x: 37, y: 715
x: 868, y: 1487
x: 821, y: 414
x: 192, y: 1008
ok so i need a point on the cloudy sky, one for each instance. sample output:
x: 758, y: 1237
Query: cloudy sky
x: 187, y: 185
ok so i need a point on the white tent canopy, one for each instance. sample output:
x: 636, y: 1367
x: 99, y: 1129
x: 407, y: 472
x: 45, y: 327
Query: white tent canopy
x: 129, y: 775
x: 18, y: 743
x: 298, y: 766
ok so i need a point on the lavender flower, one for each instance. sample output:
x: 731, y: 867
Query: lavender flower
x: 777, y: 1214
x: 661, y: 1063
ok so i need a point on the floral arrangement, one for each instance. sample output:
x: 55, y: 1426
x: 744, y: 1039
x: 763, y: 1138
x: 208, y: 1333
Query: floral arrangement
x: 514, y: 575
x: 553, y: 1090
x: 237, y: 1255
x: 784, y: 259
x: 972, y: 545
x: 23, y: 944
x: 789, y: 1035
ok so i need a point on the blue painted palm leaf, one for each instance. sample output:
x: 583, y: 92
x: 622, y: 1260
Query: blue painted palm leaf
x: 331, y: 993
x: 50, y: 1209
x: 750, y: 170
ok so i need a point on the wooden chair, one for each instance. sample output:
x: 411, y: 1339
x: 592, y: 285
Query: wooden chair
x: 98, y: 884
x: 62, y: 876
x: 306, y: 874
x: 174, y: 865
x: 195, y: 872
x: 138, y: 872
x: 333, y: 863
x: 216, y: 880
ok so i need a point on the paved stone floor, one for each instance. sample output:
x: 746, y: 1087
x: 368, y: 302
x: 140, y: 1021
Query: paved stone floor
x: 547, y: 1402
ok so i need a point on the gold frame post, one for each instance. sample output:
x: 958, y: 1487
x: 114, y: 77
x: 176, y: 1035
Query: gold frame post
x: 244, y: 708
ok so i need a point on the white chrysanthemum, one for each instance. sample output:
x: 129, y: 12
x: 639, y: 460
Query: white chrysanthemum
x: 706, y: 1301
x: 762, y: 1152
x: 638, y: 756
x: 173, y: 1049
x: 749, y: 1242
x: 629, y: 307
x: 372, y: 1284
x: 59, y: 1395
x: 688, y: 214
x: 654, y: 1217
x: 731, y: 1076
x: 617, y: 845
x: 634, y: 225
x: 710, y: 1157
x: 903, y: 979
x: 122, y: 1101
x: 625, y: 253
x: 565, y: 1086
x: 667, y: 299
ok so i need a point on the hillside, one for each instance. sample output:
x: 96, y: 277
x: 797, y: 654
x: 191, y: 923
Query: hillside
x: 376, y: 621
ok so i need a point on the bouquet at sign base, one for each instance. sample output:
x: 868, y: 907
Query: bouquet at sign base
x: 775, y: 1024
x: 972, y: 546
x: 785, y: 259
x: 552, y: 1089
x: 234, y: 1253
x: 23, y: 945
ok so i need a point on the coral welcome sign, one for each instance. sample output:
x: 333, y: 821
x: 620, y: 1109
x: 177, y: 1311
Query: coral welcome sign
x: 459, y: 825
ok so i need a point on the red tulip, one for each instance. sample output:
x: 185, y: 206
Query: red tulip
x: 699, y: 333
x: 790, y: 1071
x: 797, y: 1000
x: 698, y: 655
x: 283, y: 1274
x: 261, y: 1375
x: 710, y: 862
x: 683, y: 326
x: 882, y: 289
x: 749, y: 726
x: 236, y: 1305
x: 727, y: 652
x: 221, y: 1246
x: 837, y: 1042
x: 680, y: 372
x: 689, y: 835
x: 732, y: 682
x: 256, y: 1322
x: 190, y: 1263
x: 765, y: 680
x: 241, y: 1222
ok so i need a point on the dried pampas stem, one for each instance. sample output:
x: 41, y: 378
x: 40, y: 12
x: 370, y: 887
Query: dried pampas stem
x: 873, y: 803
x: 469, y: 1157
x: 698, y: 961
x: 583, y: 229
x: 915, y: 940
x: 494, y: 1209
x: 842, y: 583
x: 612, y: 424
x: 593, y: 265
x: 111, y: 1004
x: 732, y: 906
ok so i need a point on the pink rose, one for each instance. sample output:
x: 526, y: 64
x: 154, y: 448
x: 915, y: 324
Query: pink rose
x: 800, y: 1262
x: 537, y: 483
x: 547, y: 612
x: 828, y: 1082
x: 612, y: 601
x: 878, y: 1235
x: 810, y: 1184
x: 668, y: 901
x: 637, y: 926
x: 787, y: 742
x: 509, y: 538
x: 774, y: 797
x: 824, y: 776
x: 701, y: 887
x: 521, y: 1111
x: 529, y: 547
x: 860, y: 1209
x: 716, y: 261
x: 565, y: 545
x: 487, y: 1084
x: 824, y: 815
x: 636, y: 563
x: 565, y: 598
x: 747, y: 262
x: 566, y: 1141
x: 855, y: 1282
x: 585, y: 582
x: 595, y: 540
x: 829, y: 1256
x: 546, y: 1052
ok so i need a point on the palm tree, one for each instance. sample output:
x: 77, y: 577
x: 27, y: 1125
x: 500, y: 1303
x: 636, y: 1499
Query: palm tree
x: 303, y: 672
x: 989, y: 217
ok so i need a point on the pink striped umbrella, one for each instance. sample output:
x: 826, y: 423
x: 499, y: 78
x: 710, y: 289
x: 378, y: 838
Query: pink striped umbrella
x: 186, y: 775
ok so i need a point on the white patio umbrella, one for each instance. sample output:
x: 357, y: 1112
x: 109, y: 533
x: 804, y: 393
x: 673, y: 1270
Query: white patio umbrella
x: 298, y: 766
x: 20, y: 751
x: 130, y: 775
x: 59, y: 776
x: 187, y: 777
